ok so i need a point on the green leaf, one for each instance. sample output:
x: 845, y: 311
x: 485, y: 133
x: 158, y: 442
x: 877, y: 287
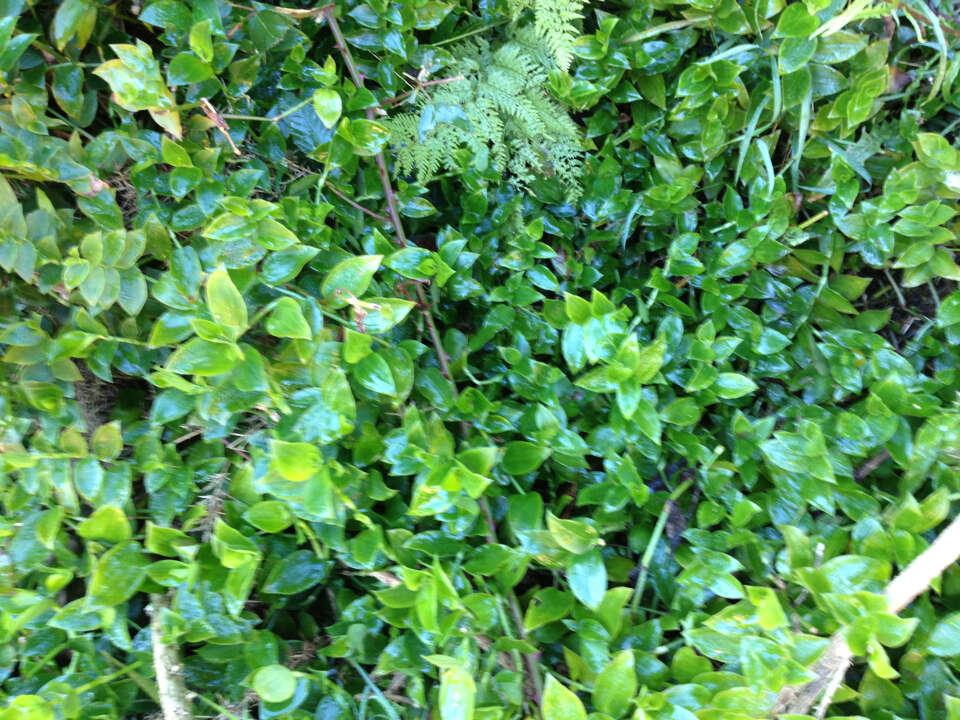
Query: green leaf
x: 796, y: 22
x: 287, y: 320
x: 649, y: 360
x: 296, y: 572
x: 74, y: 20
x: 521, y: 457
x: 771, y: 342
x: 117, y: 575
x: 647, y: 420
x: 184, y: 179
x: 274, y: 683
x: 373, y: 373
x: 559, y: 703
x: 733, y: 385
x: 107, y: 441
x: 108, y: 524
x: 682, y: 411
x: 577, y: 309
x: 295, y: 461
x: 356, y: 346
x: 170, y: 328
x: 226, y: 303
x: 270, y: 516
x: 415, y: 263
x: 267, y: 28
x: 457, y: 694
x: 350, y: 278
x: 795, y: 53
x: 944, y: 641
x: 284, y: 265
x: 587, y: 576
x: 575, y: 536
x: 328, y: 105
x: 769, y: 611
x: 201, y: 40
x: 949, y: 312
x: 366, y: 136
x: 201, y: 357
x: 616, y: 686
x: 383, y: 314
x: 232, y: 547
x: 136, y: 83
x: 169, y: 542
x: 187, y: 69
x: 547, y: 606
x: 166, y: 13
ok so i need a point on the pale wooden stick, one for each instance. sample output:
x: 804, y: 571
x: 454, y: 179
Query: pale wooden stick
x: 900, y: 592
x: 925, y: 568
x: 166, y: 664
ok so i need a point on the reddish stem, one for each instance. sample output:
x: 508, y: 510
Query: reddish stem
x: 354, y: 204
x: 403, y: 96
x: 389, y: 196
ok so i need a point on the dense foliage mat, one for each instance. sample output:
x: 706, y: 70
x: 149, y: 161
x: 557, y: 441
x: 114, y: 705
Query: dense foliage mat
x: 501, y: 359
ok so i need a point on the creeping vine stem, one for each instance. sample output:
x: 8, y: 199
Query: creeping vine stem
x: 389, y: 195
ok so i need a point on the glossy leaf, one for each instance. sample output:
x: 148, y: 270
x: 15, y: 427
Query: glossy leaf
x: 559, y: 703
x: 616, y: 686
x: 457, y: 694
x: 350, y: 279
x: 225, y: 302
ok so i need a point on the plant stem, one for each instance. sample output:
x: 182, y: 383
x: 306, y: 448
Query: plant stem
x: 652, y: 544
x: 108, y: 678
x: 377, y: 692
x: 469, y: 33
x: 166, y: 664
x: 811, y: 220
x: 389, y: 196
x: 275, y: 118
x: 896, y: 288
x: 529, y: 660
x: 141, y: 682
x: 260, y: 118
x: 404, y: 95
x: 292, y: 110
x: 42, y: 662
x: 356, y: 205
x: 219, y: 708
x: 663, y: 28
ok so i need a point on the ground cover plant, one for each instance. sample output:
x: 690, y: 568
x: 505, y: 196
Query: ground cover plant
x: 478, y: 360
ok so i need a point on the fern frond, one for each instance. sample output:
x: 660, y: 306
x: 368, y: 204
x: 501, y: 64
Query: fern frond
x: 555, y: 21
x: 512, y: 124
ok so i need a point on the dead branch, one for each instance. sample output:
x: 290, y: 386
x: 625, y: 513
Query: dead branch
x: 167, y: 665
x: 832, y: 666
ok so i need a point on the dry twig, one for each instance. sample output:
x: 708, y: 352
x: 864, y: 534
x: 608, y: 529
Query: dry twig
x: 167, y: 665
x: 832, y: 666
x: 388, y: 193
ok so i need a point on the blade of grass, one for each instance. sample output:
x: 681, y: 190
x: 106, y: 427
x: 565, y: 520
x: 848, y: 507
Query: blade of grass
x: 219, y: 708
x: 377, y: 693
x: 777, y: 89
x: 854, y: 164
x: 665, y: 28
x: 767, y: 164
x: 748, y: 136
x: 941, y: 44
x: 137, y: 678
x: 801, y: 140
x: 652, y: 544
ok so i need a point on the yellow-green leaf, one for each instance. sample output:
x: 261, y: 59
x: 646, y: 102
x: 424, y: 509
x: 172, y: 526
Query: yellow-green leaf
x: 225, y: 302
x: 559, y: 703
